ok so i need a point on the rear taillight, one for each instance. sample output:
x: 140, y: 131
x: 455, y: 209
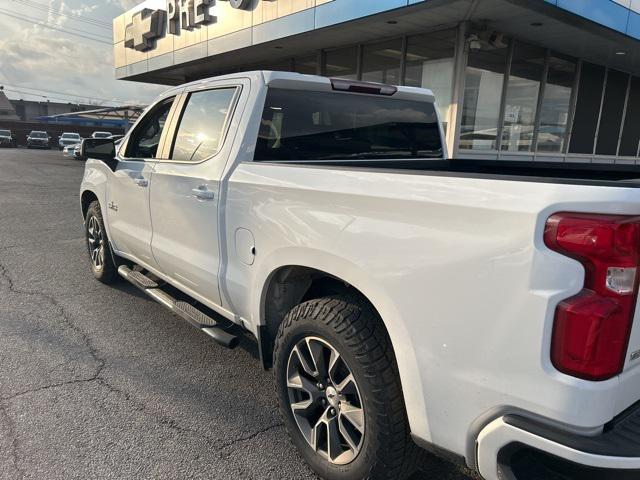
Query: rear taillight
x: 591, y: 330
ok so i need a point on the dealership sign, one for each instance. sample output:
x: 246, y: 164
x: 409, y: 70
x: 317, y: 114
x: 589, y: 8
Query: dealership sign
x: 148, y: 25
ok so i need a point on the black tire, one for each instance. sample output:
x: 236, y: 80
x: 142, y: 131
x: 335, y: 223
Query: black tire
x: 105, y: 270
x: 353, y: 328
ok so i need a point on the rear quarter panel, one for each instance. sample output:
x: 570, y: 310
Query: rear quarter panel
x: 458, y: 271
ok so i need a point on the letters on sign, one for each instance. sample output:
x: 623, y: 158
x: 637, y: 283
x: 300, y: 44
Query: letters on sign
x: 149, y: 25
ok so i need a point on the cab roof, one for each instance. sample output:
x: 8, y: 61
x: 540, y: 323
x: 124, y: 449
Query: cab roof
x: 300, y: 81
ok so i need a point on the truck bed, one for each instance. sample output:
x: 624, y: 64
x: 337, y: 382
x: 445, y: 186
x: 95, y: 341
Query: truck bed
x: 596, y: 174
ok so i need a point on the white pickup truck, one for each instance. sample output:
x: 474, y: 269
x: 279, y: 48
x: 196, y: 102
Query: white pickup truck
x: 485, y: 312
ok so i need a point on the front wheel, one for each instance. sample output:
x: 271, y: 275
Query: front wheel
x: 339, y: 391
x: 102, y: 264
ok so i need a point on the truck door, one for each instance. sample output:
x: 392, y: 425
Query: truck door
x: 128, y: 190
x: 185, y: 191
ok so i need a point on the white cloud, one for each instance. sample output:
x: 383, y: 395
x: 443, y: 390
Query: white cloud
x: 37, y: 57
x: 125, y: 4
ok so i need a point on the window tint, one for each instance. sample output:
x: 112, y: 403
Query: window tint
x: 521, y: 101
x: 202, y: 125
x: 145, y: 139
x: 283, y: 65
x: 302, y: 125
x: 482, y: 97
x: 381, y: 62
x: 587, y: 108
x: 554, y: 113
x: 429, y: 64
x: 307, y: 64
x: 342, y: 63
x: 612, y: 109
x: 630, y: 145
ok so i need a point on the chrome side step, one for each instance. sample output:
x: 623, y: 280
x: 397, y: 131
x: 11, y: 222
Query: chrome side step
x: 184, y: 310
x: 140, y: 280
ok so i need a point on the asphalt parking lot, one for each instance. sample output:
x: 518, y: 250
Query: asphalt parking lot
x: 101, y: 382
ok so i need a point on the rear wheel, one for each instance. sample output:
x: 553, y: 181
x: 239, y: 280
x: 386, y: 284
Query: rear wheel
x: 339, y: 391
x: 100, y: 254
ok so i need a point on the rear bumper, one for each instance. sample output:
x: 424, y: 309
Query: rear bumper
x: 515, y: 448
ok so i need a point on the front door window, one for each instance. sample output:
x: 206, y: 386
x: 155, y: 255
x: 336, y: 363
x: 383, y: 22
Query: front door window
x: 145, y: 140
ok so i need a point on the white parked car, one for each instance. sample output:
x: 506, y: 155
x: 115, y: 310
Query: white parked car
x: 101, y: 135
x: 72, y: 151
x: 7, y: 139
x: 67, y: 139
x: 406, y: 302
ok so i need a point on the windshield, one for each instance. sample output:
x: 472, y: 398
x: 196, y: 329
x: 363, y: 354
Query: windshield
x: 5, y: 133
x: 304, y: 125
x: 71, y: 136
x: 39, y: 134
x: 101, y: 135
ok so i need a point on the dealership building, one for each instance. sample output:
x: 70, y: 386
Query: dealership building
x: 543, y: 80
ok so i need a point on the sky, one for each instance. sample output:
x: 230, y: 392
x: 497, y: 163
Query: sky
x: 58, y: 66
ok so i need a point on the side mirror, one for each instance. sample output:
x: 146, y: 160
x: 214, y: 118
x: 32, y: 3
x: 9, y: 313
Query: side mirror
x: 102, y: 149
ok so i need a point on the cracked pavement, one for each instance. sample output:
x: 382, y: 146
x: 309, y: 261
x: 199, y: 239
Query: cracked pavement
x: 101, y: 382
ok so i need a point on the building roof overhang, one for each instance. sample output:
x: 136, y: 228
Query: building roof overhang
x: 534, y: 21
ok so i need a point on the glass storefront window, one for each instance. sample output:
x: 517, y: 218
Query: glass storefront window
x: 583, y: 133
x: 430, y: 64
x: 554, y: 112
x: 521, y: 101
x: 381, y: 62
x: 283, y: 65
x: 342, y: 63
x: 307, y: 64
x: 482, y: 97
x: 615, y: 97
x: 630, y: 144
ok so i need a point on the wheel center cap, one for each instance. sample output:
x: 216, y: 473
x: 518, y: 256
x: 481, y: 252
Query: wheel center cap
x: 332, y: 397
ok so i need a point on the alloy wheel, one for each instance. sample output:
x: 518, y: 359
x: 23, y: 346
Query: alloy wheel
x: 95, y: 239
x: 325, y: 400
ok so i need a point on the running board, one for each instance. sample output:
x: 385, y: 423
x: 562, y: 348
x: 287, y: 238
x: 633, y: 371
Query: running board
x: 184, y: 310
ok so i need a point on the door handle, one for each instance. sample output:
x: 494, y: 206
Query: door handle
x: 141, y: 182
x: 203, y: 193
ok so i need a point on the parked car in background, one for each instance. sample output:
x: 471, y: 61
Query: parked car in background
x: 39, y: 139
x: 102, y: 135
x: 7, y: 139
x: 484, y: 311
x: 70, y: 151
x: 67, y: 139
x: 77, y: 152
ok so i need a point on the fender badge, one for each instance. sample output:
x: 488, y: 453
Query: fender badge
x: 635, y: 355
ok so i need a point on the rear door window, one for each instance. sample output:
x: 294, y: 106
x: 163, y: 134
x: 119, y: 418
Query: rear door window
x: 202, y: 125
x: 321, y: 126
